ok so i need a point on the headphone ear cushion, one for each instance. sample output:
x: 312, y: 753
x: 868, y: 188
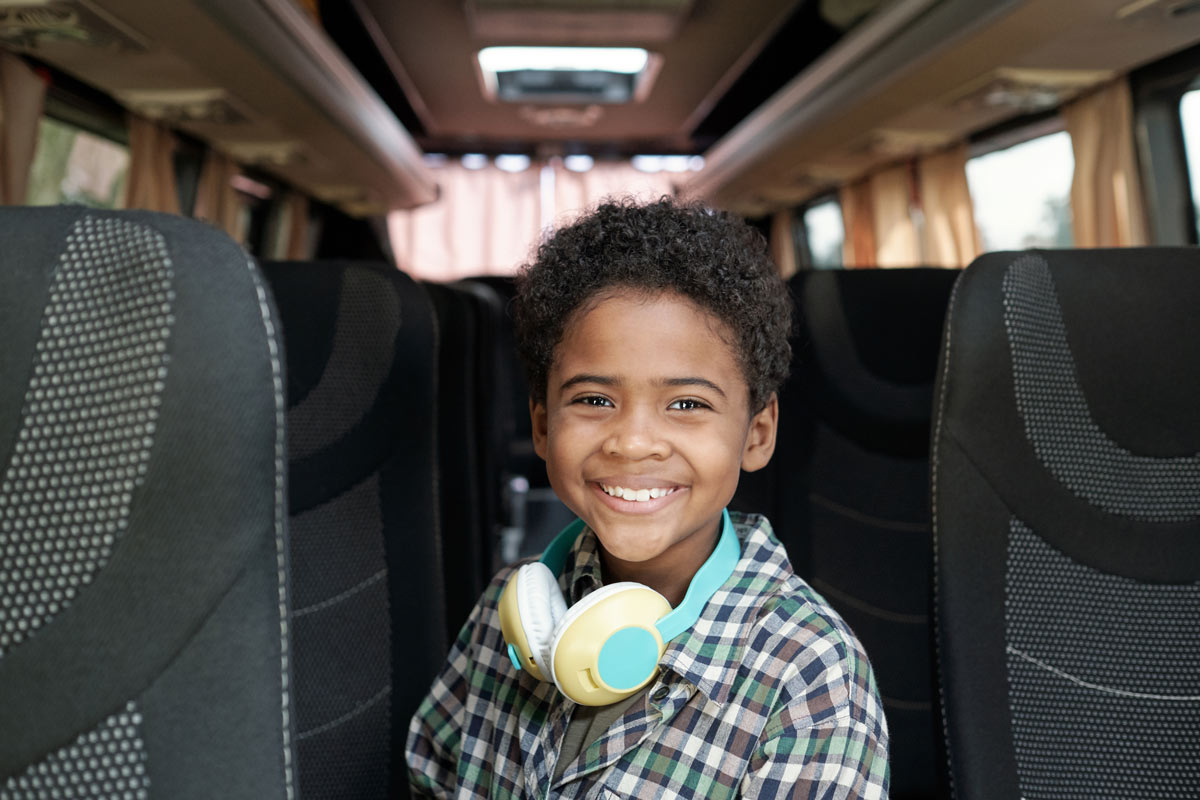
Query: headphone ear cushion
x: 541, y: 606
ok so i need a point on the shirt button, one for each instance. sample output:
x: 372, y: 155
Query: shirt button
x: 660, y: 694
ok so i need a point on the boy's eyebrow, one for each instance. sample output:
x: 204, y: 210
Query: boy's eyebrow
x: 608, y: 380
x: 603, y: 380
x: 690, y: 381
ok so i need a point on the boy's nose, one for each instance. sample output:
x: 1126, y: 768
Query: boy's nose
x: 635, y: 438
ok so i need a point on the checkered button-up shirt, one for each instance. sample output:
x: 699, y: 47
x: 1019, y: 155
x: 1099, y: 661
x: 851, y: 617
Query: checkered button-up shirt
x: 768, y: 695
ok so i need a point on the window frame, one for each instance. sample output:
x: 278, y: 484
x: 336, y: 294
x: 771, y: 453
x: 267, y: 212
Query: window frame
x: 804, y: 254
x: 1157, y: 91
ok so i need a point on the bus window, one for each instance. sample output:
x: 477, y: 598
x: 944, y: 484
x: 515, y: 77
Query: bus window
x: 72, y: 165
x: 825, y: 233
x: 1022, y: 194
x: 1189, y: 116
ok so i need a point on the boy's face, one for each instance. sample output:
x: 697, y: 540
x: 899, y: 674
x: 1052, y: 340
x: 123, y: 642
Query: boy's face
x: 645, y: 428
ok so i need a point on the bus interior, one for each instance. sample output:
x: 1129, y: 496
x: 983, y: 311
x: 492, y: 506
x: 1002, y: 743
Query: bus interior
x: 266, y: 437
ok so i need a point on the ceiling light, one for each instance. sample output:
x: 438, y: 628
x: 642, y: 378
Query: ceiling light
x: 669, y: 163
x: 579, y: 162
x: 509, y: 162
x: 562, y: 75
x: 627, y: 60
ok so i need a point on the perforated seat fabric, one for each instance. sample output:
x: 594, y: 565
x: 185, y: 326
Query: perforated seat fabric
x: 144, y: 637
x: 847, y: 490
x: 1066, y: 483
x: 369, y: 619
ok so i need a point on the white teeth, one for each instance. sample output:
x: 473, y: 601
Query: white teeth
x: 635, y: 495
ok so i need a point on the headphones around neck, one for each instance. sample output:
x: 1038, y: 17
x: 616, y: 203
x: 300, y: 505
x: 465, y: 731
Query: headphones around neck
x: 606, y: 646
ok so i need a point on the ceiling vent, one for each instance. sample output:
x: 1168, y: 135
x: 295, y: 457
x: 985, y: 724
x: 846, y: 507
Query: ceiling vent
x: 30, y: 26
x: 895, y: 143
x: 576, y: 21
x: 1027, y: 90
x: 561, y: 117
x: 177, y: 106
x: 282, y: 153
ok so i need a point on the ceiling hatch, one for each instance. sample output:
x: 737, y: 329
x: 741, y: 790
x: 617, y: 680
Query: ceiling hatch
x: 565, y: 75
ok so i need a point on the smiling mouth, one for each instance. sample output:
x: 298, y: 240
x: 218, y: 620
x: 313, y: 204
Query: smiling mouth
x: 637, y: 495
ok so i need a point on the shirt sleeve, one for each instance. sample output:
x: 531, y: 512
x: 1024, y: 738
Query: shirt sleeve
x: 828, y: 738
x: 433, y: 748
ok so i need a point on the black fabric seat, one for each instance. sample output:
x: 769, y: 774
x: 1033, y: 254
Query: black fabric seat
x: 144, y: 640
x: 369, y: 623
x: 847, y: 490
x: 1066, y: 483
x: 532, y: 514
x: 463, y: 469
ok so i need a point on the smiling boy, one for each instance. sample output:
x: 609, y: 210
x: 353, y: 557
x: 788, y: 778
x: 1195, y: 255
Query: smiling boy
x: 655, y: 337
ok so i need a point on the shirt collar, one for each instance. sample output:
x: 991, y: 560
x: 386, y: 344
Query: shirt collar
x: 581, y: 573
x: 709, y: 653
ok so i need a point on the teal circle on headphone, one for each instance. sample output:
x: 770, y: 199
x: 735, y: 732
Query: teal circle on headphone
x: 627, y: 658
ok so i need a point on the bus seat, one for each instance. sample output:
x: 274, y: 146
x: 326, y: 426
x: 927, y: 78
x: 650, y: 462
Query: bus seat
x: 532, y: 514
x: 369, y: 623
x: 847, y: 489
x: 144, y: 640
x: 466, y: 521
x: 1066, y: 488
x: 496, y: 408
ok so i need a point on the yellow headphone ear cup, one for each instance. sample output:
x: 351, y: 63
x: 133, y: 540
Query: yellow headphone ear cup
x: 530, y: 608
x: 607, y: 646
x: 541, y: 604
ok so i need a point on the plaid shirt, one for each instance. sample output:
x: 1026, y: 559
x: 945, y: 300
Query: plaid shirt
x: 768, y: 695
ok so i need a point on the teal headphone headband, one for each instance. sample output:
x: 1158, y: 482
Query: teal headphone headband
x: 711, y: 576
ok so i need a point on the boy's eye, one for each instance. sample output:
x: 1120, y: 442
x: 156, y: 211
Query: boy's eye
x: 688, y: 404
x: 594, y: 400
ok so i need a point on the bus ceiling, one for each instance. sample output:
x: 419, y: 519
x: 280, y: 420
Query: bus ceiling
x: 785, y: 99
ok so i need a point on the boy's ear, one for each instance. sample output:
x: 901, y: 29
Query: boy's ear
x: 538, y: 416
x: 760, y: 439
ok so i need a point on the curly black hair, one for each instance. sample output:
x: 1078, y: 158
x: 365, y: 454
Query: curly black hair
x: 710, y: 257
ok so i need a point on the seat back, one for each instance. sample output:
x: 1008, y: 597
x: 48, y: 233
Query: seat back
x: 847, y: 491
x: 369, y: 622
x: 532, y: 514
x: 466, y: 518
x: 144, y: 637
x: 1066, y: 482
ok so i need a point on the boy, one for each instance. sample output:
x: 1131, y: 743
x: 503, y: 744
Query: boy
x: 655, y: 338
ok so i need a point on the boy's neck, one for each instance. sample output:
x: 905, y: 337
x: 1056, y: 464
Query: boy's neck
x: 669, y: 574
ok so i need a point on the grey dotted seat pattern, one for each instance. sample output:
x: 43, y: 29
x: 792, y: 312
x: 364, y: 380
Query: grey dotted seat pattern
x: 1066, y: 512
x: 144, y: 608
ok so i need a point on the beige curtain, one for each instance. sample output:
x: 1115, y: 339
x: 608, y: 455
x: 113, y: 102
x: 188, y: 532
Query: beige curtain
x: 217, y: 202
x: 858, y: 222
x: 576, y: 192
x: 22, y: 94
x: 483, y: 223
x: 151, y: 183
x: 488, y: 221
x: 783, y: 243
x: 292, y: 242
x: 896, y: 243
x: 950, y: 237
x: 1106, y: 197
